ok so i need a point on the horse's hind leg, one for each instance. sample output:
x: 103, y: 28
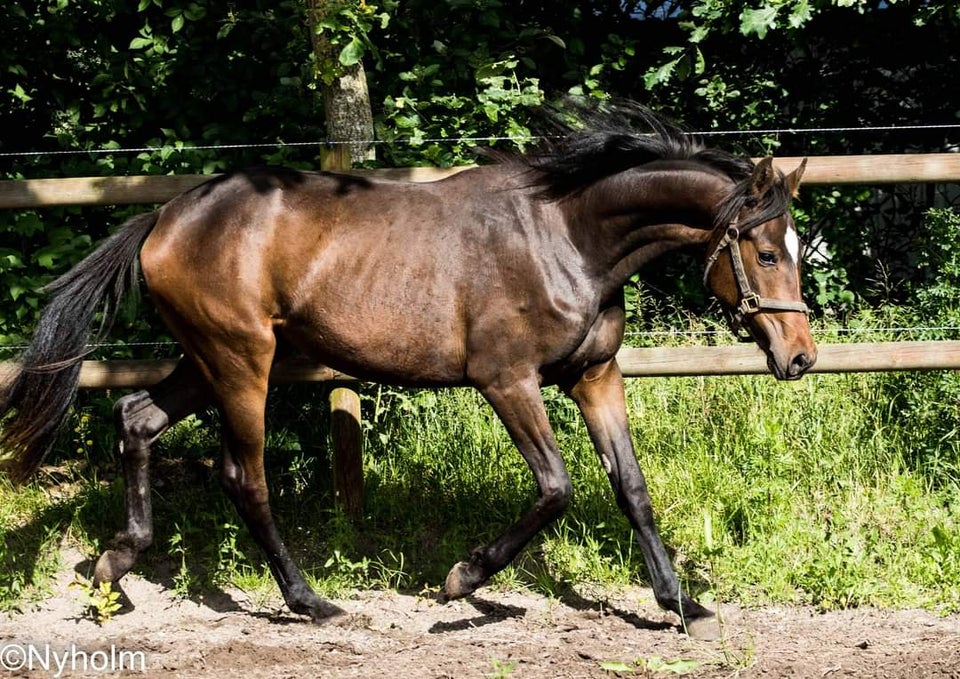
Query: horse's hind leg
x: 140, y: 418
x: 520, y: 407
x: 599, y: 395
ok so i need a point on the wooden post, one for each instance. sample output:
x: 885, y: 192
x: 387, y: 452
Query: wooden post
x: 345, y: 434
x: 347, y: 440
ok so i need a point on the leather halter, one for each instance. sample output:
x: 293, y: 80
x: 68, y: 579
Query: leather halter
x: 750, y: 301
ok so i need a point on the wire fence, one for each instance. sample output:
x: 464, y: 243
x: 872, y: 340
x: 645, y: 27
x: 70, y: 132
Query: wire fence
x: 941, y: 331
x: 170, y: 348
x: 457, y: 140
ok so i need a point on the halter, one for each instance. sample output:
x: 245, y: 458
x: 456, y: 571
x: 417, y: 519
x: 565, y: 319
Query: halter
x: 750, y: 302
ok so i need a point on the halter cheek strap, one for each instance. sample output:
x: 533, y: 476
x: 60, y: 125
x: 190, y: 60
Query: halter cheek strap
x: 750, y: 302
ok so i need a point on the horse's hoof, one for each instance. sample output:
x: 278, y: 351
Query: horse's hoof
x: 463, y: 579
x: 322, y: 612
x: 113, y: 565
x: 704, y: 629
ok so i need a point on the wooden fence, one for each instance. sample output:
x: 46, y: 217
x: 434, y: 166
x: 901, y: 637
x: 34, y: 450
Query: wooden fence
x: 681, y: 361
x: 635, y: 362
x: 878, y: 169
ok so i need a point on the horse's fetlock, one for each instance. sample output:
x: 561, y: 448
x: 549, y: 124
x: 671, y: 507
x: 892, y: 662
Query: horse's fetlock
x: 136, y: 542
x: 557, y: 500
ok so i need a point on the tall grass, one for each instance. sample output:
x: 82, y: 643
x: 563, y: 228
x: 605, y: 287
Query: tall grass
x: 809, y: 492
x: 836, y: 491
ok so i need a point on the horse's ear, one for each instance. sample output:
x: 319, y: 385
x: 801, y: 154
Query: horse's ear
x: 793, y: 179
x: 763, y: 177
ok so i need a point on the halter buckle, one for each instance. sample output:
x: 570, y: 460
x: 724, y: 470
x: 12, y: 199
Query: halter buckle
x: 750, y: 304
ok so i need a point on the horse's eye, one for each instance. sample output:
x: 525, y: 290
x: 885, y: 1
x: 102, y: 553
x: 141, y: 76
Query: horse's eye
x: 767, y: 258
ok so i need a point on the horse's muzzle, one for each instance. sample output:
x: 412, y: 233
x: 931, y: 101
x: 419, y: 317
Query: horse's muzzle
x: 795, y: 369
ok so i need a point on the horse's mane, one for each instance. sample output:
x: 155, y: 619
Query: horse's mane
x: 583, y: 143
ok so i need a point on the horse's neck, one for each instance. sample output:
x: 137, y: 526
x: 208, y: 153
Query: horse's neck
x: 632, y: 218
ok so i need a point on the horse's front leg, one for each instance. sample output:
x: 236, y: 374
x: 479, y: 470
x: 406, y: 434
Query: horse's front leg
x: 520, y: 407
x: 600, y: 397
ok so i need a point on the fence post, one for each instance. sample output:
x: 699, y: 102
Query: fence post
x: 345, y: 433
x: 347, y: 441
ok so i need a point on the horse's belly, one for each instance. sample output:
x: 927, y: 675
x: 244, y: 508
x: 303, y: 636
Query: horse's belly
x: 409, y: 352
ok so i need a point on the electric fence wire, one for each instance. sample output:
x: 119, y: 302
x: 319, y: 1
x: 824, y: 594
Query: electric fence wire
x: 672, y: 333
x: 490, y: 139
x: 457, y: 140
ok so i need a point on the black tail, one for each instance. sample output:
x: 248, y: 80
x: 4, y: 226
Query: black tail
x: 44, y: 385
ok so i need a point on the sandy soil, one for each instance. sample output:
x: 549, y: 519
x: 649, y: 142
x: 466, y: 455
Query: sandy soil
x: 496, y: 634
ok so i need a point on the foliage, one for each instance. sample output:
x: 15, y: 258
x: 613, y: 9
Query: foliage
x: 937, y: 289
x: 652, y: 665
x: 768, y: 492
x: 706, y: 20
x: 475, y: 78
x: 852, y: 494
x: 29, y: 545
x: 101, y: 601
x: 347, y: 25
x: 926, y: 408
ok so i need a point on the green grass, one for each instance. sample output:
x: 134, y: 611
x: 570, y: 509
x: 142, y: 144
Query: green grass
x: 836, y: 491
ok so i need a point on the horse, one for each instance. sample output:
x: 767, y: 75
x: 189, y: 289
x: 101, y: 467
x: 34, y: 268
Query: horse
x: 507, y: 277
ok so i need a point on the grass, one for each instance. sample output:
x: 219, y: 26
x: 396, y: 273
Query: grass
x: 835, y: 491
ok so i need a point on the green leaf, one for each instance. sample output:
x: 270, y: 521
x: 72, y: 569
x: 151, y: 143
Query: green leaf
x: 20, y: 94
x: 195, y: 12
x: 679, y: 666
x: 617, y: 666
x: 352, y: 53
x: 557, y: 40
x: 801, y: 14
x: 699, y: 33
x: 141, y: 43
x: 758, y: 21
x: 16, y: 290
x: 660, y: 75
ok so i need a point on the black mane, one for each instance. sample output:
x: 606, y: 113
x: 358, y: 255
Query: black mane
x: 586, y: 142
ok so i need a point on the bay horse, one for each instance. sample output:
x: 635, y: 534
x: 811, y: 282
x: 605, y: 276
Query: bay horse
x: 508, y: 277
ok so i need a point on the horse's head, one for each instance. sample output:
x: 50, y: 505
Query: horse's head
x: 753, y: 268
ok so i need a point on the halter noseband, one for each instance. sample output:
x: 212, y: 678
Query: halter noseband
x: 750, y: 302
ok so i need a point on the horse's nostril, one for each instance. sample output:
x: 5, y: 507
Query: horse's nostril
x: 800, y: 363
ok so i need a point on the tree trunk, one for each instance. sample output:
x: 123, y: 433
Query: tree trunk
x: 346, y: 101
x: 349, y: 118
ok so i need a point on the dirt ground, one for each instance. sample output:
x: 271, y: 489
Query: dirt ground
x: 496, y: 634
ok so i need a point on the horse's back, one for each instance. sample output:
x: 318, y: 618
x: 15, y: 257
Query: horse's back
x: 385, y: 280
x: 373, y: 277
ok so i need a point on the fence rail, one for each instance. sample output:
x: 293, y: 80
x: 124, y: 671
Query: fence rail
x: 635, y: 362
x: 871, y: 169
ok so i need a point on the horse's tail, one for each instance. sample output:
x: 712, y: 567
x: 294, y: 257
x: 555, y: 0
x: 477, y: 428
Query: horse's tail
x: 44, y: 383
